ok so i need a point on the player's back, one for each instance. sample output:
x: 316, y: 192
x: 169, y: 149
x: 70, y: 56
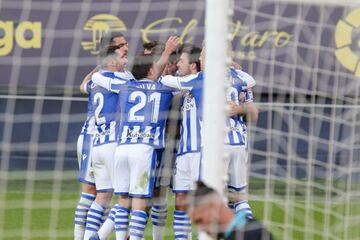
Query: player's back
x: 105, y: 108
x: 89, y: 124
x: 234, y: 123
x: 144, y: 106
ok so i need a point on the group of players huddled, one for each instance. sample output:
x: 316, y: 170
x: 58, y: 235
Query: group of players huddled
x: 121, y: 145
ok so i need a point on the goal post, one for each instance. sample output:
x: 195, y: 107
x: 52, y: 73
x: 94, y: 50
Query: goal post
x: 216, y: 39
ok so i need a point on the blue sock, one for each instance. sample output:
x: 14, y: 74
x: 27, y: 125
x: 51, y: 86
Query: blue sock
x: 158, y: 217
x: 137, y: 224
x: 81, y: 211
x: 182, y: 225
x: 93, y: 220
x: 243, y: 205
x: 121, y: 222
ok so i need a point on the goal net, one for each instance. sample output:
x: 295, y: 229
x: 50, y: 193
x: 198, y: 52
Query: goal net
x: 303, y: 151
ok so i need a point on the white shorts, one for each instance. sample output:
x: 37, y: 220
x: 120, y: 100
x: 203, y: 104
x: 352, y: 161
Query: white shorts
x: 186, y: 172
x: 84, y: 148
x: 237, y: 167
x: 134, y: 170
x: 102, y: 163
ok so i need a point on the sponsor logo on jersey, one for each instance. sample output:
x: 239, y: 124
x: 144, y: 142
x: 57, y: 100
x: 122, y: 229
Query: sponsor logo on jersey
x: 188, y: 103
x: 133, y: 134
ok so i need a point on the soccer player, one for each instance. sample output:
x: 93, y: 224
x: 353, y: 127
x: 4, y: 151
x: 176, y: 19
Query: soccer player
x: 105, y: 108
x: 159, y: 199
x: 187, y: 163
x: 84, y: 143
x: 235, y: 140
x: 115, y: 86
x: 187, y: 167
x: 143, y: 104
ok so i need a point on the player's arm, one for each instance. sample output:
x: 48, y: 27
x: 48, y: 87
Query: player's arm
x: 179, y: 83
x: 248, y: 108
x: 109, y: 83
x: 236, y: 65
x: 170, y: 47
x: 247, y: 78
x: 83, y: 85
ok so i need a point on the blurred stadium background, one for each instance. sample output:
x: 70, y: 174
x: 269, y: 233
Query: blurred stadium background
x: 304, y: 150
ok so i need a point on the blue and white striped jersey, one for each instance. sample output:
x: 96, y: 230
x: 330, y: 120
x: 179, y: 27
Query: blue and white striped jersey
x: 234, y: 135
x: 143, y: 106
x: 89, y: 124
x: 249, y: 82
x: 191, y: 125
x: 105, y: 109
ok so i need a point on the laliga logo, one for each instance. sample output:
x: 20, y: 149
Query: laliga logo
x: 348, y: 48
x: 98, y: 25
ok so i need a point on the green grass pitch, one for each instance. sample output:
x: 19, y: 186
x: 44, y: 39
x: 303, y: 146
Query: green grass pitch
x: 51, y: 214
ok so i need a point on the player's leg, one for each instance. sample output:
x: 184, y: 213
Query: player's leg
x: 121, y: 177
x: 101, y: 154
x: 118, y: 217
x: 88, y: 191
x: 186, y: 172
x: 142, y: 172
x: 159, y: 200
x: 237, y: 184
x: 108, y: 226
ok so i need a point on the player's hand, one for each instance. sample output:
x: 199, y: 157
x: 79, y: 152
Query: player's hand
x: 232, y: 109
x: 236, y: 65
x: 171, y: 44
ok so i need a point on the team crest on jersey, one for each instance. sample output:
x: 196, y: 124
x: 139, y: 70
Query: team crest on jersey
x: 235, y: 128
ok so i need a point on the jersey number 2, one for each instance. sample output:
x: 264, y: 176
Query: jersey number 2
x: 99, y: 101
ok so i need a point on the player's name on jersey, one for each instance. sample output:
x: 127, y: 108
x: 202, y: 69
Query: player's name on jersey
x: 132, y: 134
x: 148, y: 86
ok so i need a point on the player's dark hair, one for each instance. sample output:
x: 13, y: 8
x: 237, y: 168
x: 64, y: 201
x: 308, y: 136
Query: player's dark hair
x: 141, y: 66
x: 202, y: 189
x: 106, y: 52
x: 150, y: 45
x: 158, y: 49
x: 193, y: 53
x: 108, y: 38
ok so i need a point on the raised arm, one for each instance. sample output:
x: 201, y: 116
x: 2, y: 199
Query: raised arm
x: 180, y: 83
x: 170, y: 47
x: 86, y: 80
x: 250, y: 81
x: 110, y: 83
